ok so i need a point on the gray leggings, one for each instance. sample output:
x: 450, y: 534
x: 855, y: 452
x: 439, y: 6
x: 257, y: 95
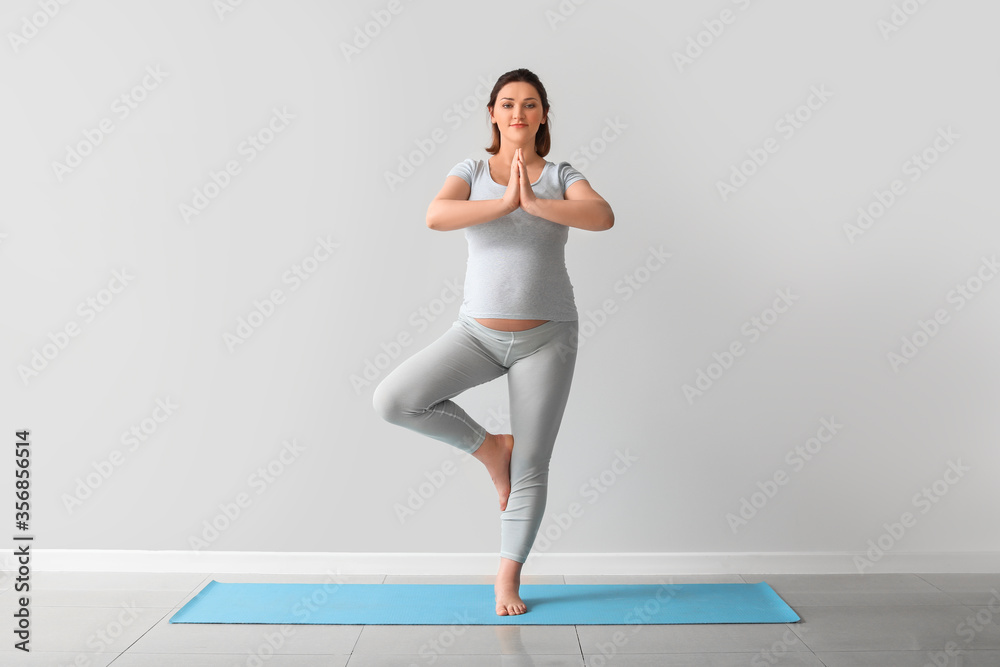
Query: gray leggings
x: 539, y: 364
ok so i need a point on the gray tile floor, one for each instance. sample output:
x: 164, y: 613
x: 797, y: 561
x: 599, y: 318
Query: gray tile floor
x: 848, y: 620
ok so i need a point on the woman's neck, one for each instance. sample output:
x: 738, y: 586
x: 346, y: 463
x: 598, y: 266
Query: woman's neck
x: 530, y: 158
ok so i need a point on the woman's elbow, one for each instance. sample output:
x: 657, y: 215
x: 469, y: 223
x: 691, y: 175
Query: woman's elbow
x: 609, y: 220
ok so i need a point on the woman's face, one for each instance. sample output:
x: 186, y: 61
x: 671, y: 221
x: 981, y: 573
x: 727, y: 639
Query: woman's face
x: 518, y: 103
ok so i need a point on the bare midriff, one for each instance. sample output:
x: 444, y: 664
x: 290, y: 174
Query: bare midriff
x: 509, y: 325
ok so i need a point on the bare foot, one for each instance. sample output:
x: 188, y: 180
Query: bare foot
x: 496, y: 458
x: 509, y: 603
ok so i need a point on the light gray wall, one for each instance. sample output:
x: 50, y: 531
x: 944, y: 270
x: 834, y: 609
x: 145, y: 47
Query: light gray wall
x: 654, y: 138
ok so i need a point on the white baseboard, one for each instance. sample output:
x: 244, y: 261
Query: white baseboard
x: 91, y: 560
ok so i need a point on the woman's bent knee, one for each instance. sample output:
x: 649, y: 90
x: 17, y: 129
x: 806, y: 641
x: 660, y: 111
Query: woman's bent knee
x: 387, y: 402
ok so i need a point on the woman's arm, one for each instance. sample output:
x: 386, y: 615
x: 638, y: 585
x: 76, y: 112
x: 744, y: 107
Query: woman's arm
x: 451, y: 208
x: 582, y: 208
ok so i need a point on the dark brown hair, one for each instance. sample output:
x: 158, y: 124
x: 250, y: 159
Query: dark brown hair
x: 543, y: 140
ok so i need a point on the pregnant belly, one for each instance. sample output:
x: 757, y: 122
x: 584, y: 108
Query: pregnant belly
x: 509, y: 325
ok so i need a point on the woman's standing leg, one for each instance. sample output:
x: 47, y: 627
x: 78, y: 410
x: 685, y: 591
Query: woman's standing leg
x: 539, y: 385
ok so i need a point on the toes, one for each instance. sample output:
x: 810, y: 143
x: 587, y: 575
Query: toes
x: 513, y: 609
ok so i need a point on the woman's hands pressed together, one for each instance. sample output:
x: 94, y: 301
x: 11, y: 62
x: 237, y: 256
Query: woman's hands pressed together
x: 519, y: 192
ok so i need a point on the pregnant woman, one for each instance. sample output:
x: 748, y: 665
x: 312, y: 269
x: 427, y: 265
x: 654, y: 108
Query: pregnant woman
x: 518, y: 316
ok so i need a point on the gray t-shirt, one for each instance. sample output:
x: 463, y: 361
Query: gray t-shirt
x: 517, y: 263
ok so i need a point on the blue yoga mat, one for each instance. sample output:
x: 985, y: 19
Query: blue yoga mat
x: 475, y: 604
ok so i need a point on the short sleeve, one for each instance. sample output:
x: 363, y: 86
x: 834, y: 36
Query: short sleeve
x: 464, y: 170
x: 568, y: 175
